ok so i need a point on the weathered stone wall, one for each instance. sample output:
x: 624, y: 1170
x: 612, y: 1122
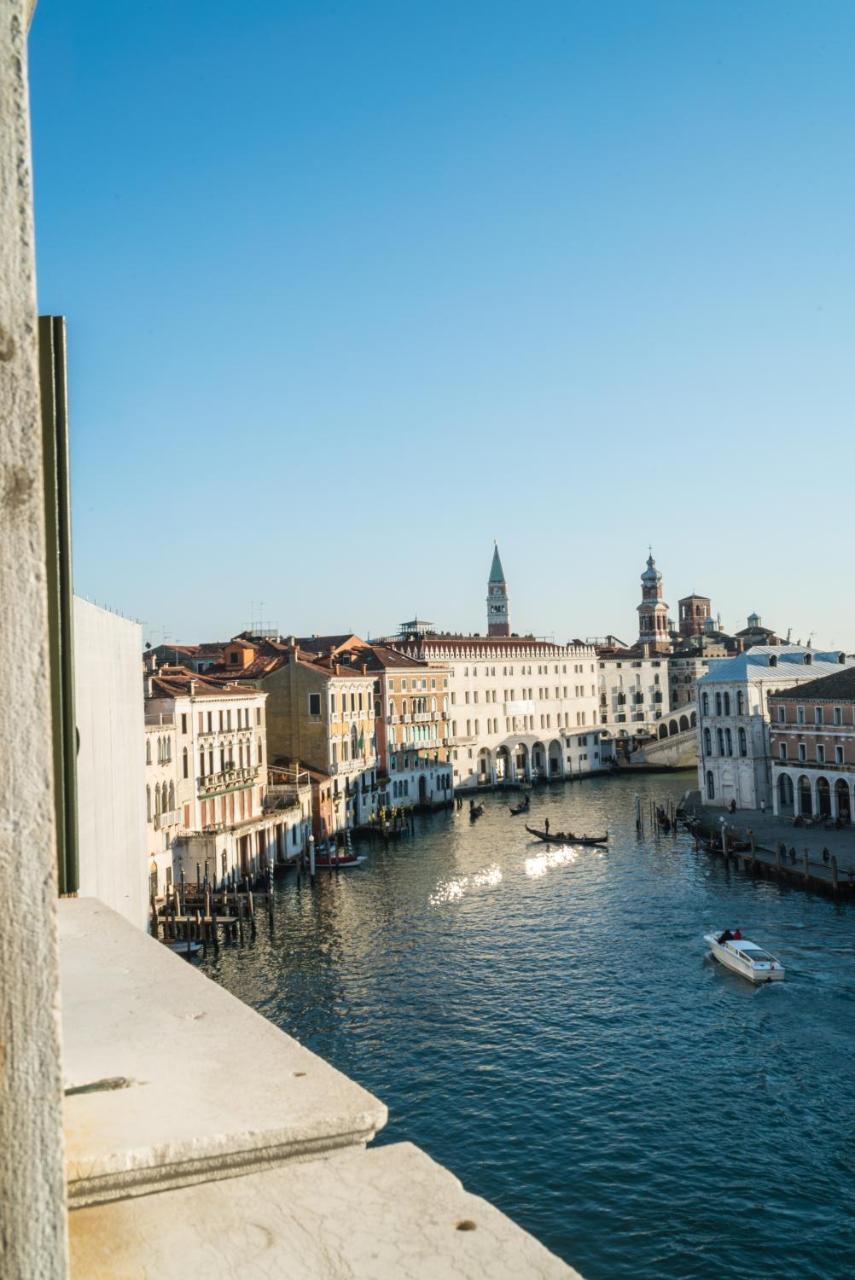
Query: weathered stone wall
x: 32, y: 1188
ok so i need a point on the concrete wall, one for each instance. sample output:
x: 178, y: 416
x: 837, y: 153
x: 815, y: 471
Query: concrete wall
x: 110, y: 760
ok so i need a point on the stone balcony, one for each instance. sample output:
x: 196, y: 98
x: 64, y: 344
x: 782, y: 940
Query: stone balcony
x: 201, y: 1140
x: 231, y: 779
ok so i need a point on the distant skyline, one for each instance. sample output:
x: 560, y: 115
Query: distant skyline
x: 354, y: 290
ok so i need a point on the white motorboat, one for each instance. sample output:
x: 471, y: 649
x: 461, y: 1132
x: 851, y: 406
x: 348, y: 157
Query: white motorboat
x: 745, y: 958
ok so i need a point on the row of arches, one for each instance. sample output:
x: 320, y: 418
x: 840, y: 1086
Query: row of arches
x: 814, y: 798
x: 522, y: 762
x: 722, y: 703
x: 678, y: 724
x: 164, y: 800
x: 164, y: 749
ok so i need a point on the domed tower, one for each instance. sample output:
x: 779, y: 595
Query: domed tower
x: 653, y: 611
x: 498, y: 612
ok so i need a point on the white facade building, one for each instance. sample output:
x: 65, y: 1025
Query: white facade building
x: 108, y: 701
x: 520, y: 709
x: 633, y: 693
x: 734, y: 745
x: 222, y: 826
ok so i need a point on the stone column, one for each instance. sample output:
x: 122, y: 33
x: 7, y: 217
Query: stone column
x: 32, y: 1186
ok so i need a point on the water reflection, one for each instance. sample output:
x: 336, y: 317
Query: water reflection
x: 543, y: 1022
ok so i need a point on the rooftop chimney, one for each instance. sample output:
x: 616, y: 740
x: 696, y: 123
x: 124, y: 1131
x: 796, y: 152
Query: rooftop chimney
x: 192, y: 688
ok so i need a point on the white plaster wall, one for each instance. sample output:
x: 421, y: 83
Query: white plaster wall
x: 110, y: 760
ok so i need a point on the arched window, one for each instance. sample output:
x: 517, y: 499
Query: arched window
x: 729, y: 738
x: 185, y: 763
x: 743, y: 742
x: 148, y: 804
x: 720, y: 736
x: 148, y: 750
x: 727, y: 704
x: 710, y: 786
x: 354, y: 742
x: 705, y: 703
x: 718, y: 704
x: 740, y: 702
x: 403, y: 706
x: 171, y: 796
x: 707, y: 742
x: 201, y: 764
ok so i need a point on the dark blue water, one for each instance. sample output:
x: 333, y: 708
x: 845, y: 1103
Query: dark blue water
x: 553, y: 1033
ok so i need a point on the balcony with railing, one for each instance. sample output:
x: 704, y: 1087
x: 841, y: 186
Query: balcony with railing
x: 162, y: 719
x: 231, y: 779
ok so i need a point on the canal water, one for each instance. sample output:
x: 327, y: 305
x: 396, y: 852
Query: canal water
x: 547, y: 1025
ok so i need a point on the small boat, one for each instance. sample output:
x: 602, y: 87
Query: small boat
x: 475, y: 811
x: 190, y: 950
x: 745, y: 958
x: 733, y: 846
x: 566, y: 837
x: 523, y: 807
x: 338, y: 862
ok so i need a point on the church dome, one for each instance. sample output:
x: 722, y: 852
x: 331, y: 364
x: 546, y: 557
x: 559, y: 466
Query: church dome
x: 651, y: 574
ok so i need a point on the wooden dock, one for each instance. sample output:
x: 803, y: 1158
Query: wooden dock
x: 786, y: 864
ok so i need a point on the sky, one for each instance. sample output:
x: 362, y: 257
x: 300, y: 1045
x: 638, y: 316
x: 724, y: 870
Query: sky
x: 353, y: 289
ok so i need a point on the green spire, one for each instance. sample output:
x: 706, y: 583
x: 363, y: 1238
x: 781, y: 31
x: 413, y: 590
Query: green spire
x: 497, y: 573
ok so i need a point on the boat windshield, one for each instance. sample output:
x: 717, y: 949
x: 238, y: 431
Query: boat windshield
x: 759, y: 957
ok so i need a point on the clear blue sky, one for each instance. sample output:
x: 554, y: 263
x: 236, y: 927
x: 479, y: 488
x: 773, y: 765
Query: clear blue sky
x: 355, y: 287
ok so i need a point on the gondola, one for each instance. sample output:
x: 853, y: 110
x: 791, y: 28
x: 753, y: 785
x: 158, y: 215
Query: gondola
x: 475, y: 811
x: 562, y: 837
x: 523, y: 807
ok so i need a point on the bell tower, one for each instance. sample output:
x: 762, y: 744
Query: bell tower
x: 653, y: 611
x: 498, y: 612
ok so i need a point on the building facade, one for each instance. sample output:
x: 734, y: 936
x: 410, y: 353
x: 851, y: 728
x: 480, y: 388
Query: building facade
x: 220, y: 754
x: 812, y: 729
x: 412, y: 717
x: 110, y: 760
x: 633, y: 693
x: 734, y: 742
x: 519, y: 707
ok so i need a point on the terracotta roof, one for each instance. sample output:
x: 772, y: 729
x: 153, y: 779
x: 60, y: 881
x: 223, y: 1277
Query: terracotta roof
x: 175, y: 682
x: 841, y: 685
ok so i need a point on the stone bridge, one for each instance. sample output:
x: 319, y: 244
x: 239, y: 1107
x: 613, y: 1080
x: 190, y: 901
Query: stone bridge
x: 676, y: 745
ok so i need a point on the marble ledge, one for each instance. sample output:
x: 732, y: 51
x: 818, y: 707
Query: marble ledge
x: 169, y: 1080
x: 388, y: 1212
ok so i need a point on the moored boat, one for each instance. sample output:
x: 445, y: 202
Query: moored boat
x: 340, y: 862
x: 566, y: 837
x: 745, y: 958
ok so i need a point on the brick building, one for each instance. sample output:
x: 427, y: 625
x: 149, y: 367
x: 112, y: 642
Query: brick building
x: 812, y: 731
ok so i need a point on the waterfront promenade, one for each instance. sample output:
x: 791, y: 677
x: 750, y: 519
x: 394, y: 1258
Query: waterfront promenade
x: 810, y: 867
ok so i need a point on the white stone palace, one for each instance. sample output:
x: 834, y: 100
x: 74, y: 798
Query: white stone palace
x: 520, y: 708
